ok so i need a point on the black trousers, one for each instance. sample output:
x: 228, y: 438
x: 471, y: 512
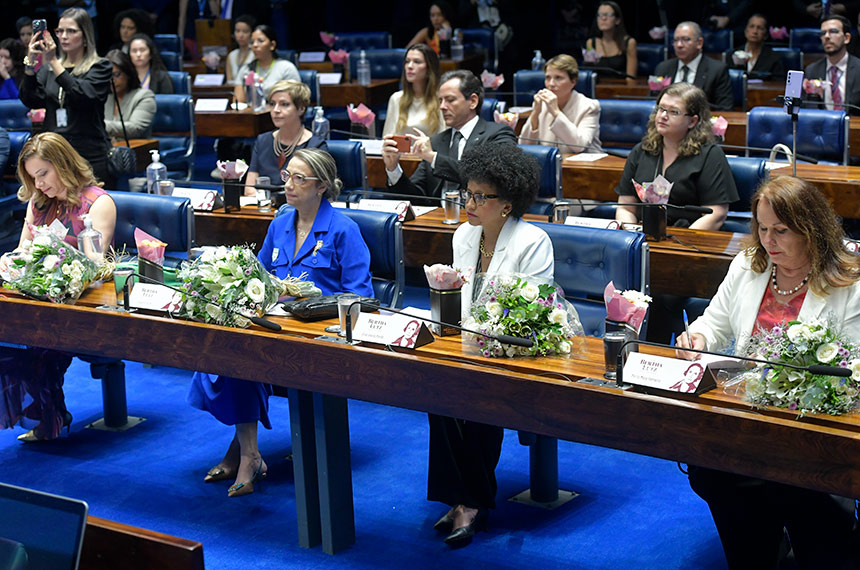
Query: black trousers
x: 750, y: 515
x: 462, y: 464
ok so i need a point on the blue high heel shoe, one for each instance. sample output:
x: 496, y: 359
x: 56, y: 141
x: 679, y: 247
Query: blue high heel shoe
x: 239, y: 489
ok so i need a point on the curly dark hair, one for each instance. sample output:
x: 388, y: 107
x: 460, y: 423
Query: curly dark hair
x: 512, y: 174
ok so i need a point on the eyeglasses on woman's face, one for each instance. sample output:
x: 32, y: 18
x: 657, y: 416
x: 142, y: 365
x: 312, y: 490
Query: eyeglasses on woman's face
x: 480, y: 199
x: 671, y: 111
x: 298, y: 179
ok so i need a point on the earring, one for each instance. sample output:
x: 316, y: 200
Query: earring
x: 504, y: 214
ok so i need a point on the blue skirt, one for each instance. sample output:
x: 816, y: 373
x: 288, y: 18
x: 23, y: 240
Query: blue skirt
x: 231, y: 400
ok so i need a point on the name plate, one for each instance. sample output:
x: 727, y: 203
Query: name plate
x: 211, y: 105
x: 403, y: 208
x: 600, y: 223
x: 200, y: 199
x: 311, y: 57
x: 153, y: 297
x: 668, y: 374
x: 393, y: 329
x: 208, y: 79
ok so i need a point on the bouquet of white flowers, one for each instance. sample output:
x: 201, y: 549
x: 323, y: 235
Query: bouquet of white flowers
x: 525, y: 307
x: 803, y: 344
x: 235, y: 278
x: 50, y: 269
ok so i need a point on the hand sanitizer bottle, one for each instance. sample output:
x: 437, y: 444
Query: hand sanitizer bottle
x: 362, y: 69
x: 90, y: 240
x: 321, y: 126
x: 155, y: 172
x: 538, y: 61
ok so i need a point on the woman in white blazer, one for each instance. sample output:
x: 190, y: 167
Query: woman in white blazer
x: 502, y: 183
x: 796, y: 267
x: 562, y: 116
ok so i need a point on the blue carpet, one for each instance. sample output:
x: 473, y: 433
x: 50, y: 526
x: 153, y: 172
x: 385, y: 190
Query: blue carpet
x: 634, y: 511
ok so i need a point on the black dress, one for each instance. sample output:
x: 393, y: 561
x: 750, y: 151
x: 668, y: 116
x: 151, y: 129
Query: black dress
x: 616, y: 62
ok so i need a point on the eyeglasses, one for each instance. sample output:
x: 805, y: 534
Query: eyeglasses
x: 605, y: 15
x: 682, y: 40
x: 672, y: 112
x: 480, y: 199
x: 297, y: 178
x: 66, y: 31
x: 830, y: 32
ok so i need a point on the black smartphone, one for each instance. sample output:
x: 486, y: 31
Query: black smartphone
x: 39, y: 26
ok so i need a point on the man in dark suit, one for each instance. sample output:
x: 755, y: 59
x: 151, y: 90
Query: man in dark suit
x: 840, y: 68
x: 690, y: 66
x: 461, y: 95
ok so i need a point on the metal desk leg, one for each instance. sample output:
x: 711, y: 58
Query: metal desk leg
x: 305, y: 467
x: 335, y: 473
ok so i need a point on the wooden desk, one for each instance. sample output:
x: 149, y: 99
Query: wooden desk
x: 540, y: 395
x: 245, y: 123
x: 236, y: 228
x: 341, y: 95
x: 141, y: 148
x: 758, y: 94
x: 212, y: 92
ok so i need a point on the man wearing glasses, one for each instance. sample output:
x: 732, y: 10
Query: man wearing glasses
x: 461, y: 95
x: 691, y: 66
x: 838, y: 68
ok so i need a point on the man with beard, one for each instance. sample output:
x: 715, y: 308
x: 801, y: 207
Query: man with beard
x: 840, y: 68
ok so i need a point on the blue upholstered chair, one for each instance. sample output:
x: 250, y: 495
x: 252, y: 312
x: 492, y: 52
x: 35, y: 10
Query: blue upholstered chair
x: 384, y: 63
x: 792, y: 58
x: 528, y: 82
x: 485, y: 41
x: 821, y: 134
x: 351, y: 164
x: 16, y: 143
x: 807, y: 40
x: 351, y: 41
x: 13, y: 115
x: 487, y: 107
x: 738, y: 77
x: 290, y: 55
x: 586, y: 83
x: 173, y: 126
x: 383, y: 234
x: 649, y: 55
x: 549, y: 189
x: 181, y: 82
x: 168, y: 42
x: 748, y: 172
x: 623, y: 122
x: 172, y: 60
x: 310, y: 77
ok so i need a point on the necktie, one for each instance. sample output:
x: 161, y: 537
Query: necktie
x: 835, y: 93
x: 455, y: 144
x: 685, y: 71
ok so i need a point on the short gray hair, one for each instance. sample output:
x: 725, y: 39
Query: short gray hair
x: 324, y: 167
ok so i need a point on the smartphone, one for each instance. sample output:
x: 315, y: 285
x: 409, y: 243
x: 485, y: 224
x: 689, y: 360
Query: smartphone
x: 39, y: 26
x: 793, y: 89
x: 403, y: 143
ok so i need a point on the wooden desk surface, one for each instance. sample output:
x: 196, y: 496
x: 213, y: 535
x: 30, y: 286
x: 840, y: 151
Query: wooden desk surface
x: 230, y: 123
x: 758, y: 94
x: 538, y: 395
x: 341, y: 95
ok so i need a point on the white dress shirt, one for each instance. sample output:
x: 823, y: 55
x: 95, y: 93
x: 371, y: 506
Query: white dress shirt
x: 693, y: 66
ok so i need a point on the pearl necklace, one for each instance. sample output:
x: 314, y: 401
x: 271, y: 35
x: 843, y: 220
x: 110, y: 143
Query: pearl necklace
x: 484, y: 252
x: 791, y: 291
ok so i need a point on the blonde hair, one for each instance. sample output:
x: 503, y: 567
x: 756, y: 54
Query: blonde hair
x: 298, y: 92
x: 324, y: 167
x: 74, y: 172
x: 565, y: 63
x: 800, y: 206
x: 91, y: 56
x: 431, y: 88
x: 697, y: 104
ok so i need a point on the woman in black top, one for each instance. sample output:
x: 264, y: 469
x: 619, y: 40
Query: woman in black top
x: 679, y: 145
x: 149, y: 65
x: 72, y: 86
x: 609, y: 39
x: 764, y: 63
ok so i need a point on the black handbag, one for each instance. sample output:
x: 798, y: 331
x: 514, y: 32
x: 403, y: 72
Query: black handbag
x: 325, y: 307
x: 121, y: 160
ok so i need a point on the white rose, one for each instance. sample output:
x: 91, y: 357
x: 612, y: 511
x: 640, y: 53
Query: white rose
x: 817, y: 335
x: 255, y: 290
x: 826, y: 352
x: 564, y: 347
x: 50, y: 262
x: 557, y: 316
x: 214, y: 311
x: 854, y: 365
x: 795, y: 332
x: 495, y: 310
x: 529, y: 292
x: 42, y: 239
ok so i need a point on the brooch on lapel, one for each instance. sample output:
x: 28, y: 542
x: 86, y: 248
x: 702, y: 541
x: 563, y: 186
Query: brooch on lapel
x: 274, y: 254
x: 317, y: 247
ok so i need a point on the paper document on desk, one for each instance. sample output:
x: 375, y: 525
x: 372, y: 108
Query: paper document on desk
x: 372, y: 147
x: 247, y: 201
x: 421, y: 210
x: 723, y: 361
x: 332, y: 78
x: 586, y: 157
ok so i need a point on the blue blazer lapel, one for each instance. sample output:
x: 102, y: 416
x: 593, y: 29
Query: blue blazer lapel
x: 318, y: 231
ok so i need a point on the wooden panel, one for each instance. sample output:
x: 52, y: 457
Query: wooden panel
x: 246, y: 123
x: 341, y: 95
x: 109, y: 545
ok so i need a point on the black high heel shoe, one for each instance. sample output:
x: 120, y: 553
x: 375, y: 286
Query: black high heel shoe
x: 463, y: 535
x: 239, y: 489
x: 31, y: 437
x: 445, y: 523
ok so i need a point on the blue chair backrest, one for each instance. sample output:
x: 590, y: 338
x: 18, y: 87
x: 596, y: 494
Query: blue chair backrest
x: 624, y: 121
x: 168, y: 218
x: 290, y: 55
x: 173, y: 126
x: 351, y: 164
x: 167, y: 42
x: 807, y: 40
x: 17, y: 139
x: 821, y: 134
x: 748, y: 173
x: 13, y: 115
x: 649, y: 55
x: 383, y: 234
x: 587, y: 259
x: 484, y: 39
x: 310, y: 77
x: 738, y: 77
x: 586, y: 83
x: 181, y: 82
x: 172, y: 60
x: 384, y: 63
x: 526, y: 83
x: 792, y: 58
x: 487, y: 107
x: 549, y: 160
x: 350, y: 41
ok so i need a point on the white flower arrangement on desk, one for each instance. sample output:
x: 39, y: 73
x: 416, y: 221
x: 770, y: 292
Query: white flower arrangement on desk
x: 48, y: 268
x: 524, y: 307
x: 235, y: 278
x: 803, y: 344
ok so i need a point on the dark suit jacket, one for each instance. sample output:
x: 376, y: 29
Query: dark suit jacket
x: 768, y: 66
x: 428, y: 181
x: 712, y: 77
x: 818, y: 70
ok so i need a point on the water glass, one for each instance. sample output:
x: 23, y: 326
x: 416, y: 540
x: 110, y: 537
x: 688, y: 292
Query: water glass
x: 264, y: 195
x: 612, y: 342
x: 120, y: 278
x: 344, y: 301
x: 165, y: 187
x: 452, y: 207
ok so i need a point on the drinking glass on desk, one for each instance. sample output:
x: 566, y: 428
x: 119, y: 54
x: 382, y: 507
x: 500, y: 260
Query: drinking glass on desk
x: 452, y: 207
x: 612, y: 342
x: 264, y: 195
x: 121, y: 277
x: 347, y: 302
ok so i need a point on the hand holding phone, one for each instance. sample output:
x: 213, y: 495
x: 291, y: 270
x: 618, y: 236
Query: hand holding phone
x: 404, y: 144
x: 39, y: 26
